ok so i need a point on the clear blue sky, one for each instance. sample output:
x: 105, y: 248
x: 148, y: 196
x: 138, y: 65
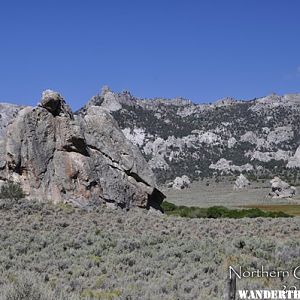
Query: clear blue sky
x: 201, y: 50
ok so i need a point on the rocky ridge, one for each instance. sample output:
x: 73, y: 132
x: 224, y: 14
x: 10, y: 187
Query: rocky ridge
x: 177, y: 137
x: 56, y: 155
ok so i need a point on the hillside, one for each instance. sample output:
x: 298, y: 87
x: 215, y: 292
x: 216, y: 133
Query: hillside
x: 259, y: 137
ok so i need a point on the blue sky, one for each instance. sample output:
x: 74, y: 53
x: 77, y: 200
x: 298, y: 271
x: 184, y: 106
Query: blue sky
x: 201, y: 50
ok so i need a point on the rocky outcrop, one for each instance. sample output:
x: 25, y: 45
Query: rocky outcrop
x: 158, y: 162
x: 294, y: 161
x: 268, y: 156
x: 281, y: 189
x: 109, y: 100
x: 7, y: 113
x: 230, y: 136
x: 231, y: 142
x: 241, y: 182
x: 274, y: 101
x: 57, y: 156
x: 180, y: 183
x: 226, y: 166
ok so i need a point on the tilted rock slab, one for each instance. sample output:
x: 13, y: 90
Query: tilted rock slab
x: 241, y: 182
x: 294, y: 161
x: 58, y: 156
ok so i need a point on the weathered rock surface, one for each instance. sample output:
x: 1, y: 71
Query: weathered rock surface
x: 294, y: 161
x: 241, y: 182
x: 226, y: 166
x: 281, y: 189
x: 85, y: 160
x: 7, y: 113
x: 181, y: 183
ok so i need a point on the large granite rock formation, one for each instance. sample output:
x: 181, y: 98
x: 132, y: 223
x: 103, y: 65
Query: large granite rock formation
x: 58, y: 156
x: 181, y: 183
x: 281, y: 189
x: 241, y: 182
x: 294, y: 161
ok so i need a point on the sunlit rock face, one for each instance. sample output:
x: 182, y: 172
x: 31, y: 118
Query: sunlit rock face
x: 57, y: 156
x: 294, y: 161
x: 241, y: 182
x: 180, y: 183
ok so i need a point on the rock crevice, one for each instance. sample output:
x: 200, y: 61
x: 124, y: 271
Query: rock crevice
x: 57, y: 156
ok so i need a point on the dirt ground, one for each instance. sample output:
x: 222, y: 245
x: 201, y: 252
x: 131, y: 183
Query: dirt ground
x: 204, y: 195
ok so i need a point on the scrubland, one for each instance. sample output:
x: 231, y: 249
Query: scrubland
x: 60, y: 252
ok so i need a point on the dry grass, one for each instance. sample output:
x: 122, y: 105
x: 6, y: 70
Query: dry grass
x: 223, y: 194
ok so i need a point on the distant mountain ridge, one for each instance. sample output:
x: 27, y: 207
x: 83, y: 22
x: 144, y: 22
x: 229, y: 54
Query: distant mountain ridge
x: 259, y: 137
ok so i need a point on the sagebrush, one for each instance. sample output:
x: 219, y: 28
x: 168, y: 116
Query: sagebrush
x: 11, y: 191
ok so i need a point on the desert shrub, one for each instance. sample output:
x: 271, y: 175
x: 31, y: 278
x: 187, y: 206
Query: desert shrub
x: 91, y: 294
x: 197, y: 212
x: 66, y: 207
x: 223, y: 212
x: 127, y: 254
x: 278, y: 214
x: 25, y: 286
x: 167, y: 206
x: 216, y: 212
x: 11, y: 191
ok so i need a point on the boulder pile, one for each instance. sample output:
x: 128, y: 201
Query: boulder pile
x: 180, y: 183
x: 281, y: 189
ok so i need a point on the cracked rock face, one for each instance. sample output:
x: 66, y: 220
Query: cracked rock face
x: 85, y: 160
